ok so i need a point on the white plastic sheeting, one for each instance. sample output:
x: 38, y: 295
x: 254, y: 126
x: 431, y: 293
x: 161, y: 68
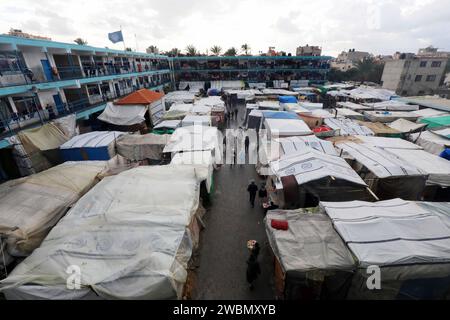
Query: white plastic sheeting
x: 92, y: 139
x: 294, y: 107
x: 431, y: 142
x: 123, y: 115
x: 168, y: 124
x: 348, y: 127
x: 388, y: 143
x: 214, y: 102
x: 279, y: 92
x: 181, y: 107
x: 179, y: 97
x: 191, y: 120
x: 392, y: 105
x: 389, y: 116
x: 286, y: 127
x: 429, y: 113
x: 139, y: 147
x: 392, y: 232
x: 353, y: 106
x: 128, y: 236
x: 348, y: 113
x: 405, y: 126
x: 379, y: 161
x: 310, y: 165
x: 31, y: 206
x: 310, y: 243
x: 244, y: 94
x: 311, y: 105
x: 268, y: 105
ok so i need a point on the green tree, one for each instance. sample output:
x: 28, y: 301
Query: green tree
x: 231, y: 52
x: 153, y: 49
x: 191, y: 50
x: 246, y: 48
x: 80, y: 41
x: 128, y: 49
x: 174, y: 52
x: 216, y: 50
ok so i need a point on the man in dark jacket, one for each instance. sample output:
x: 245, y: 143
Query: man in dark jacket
x: 252, y: 190
x: 253, y: 270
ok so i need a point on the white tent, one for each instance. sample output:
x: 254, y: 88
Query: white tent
x: 123, y: 115
x: 311, y: 105
x: 268, y: 105
x: 353, y: 106
x: 347, y: 127
x: 431, y: 141
x: 31, y: 206
x: 392, y: 105
x: 389, y: 116
x: 429, y: 113
x: 348, y: 113
x: 139, y: 147
x: 286, y: 127
x: 168, y: 124
x: 191, y: 120
x: 182, y: 107
x: 130, y: 236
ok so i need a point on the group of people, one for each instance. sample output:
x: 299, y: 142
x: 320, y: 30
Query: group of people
x: 253, y: 189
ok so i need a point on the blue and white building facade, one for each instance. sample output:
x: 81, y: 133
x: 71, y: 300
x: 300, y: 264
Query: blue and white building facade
x: 42, y: 79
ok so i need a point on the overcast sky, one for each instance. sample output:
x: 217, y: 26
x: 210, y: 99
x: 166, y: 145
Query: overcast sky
x: 377, y: 26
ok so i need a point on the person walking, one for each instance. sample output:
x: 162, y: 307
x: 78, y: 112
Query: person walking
x: 236, y: 114
x: 262, y: 194
x: 252, y: 190
x: 253, y: 270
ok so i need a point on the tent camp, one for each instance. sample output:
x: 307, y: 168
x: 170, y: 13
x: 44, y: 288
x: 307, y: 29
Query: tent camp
x: 347, y: 127
x: 142, y: 147
x: 31, y: 206
x: 311, y: 260
x: 386, y: 175
x: 409, y: 241
x: 132, y: 235
x: 96, y: 145
x: 152, y: 100
x: 348, y: 113
x: 301, y: 179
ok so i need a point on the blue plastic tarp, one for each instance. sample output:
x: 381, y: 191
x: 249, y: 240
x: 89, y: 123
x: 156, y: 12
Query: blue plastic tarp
x: 287, y: 99
x: 279, y: 115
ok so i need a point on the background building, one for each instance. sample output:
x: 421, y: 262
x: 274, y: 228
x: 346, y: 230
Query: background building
x: 410, y: 75
x: 309, y: 51
x: 349, y: 60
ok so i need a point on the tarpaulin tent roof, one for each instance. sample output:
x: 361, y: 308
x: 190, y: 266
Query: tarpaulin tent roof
x: 129, y: 235
x: 389, y: 143
x: 392, y: 232
x: 434, y: 102
x: 139, y: 147
x: 389, y: 116
x: 353, y: 106
x: 92, y: 139
x: 379, y: 161
x: 142, y: 96
x: 310, y: 243
x: 46, y: 137
x: 287, y: 127
x: 405, y: 126
x: 191, y: 120
x: 347, y: 127
x: 31, y: 206
x: 309, y: 165
x: 183, y: 107
x: 279, y: 115
x: 348, y: 113
x: 393, y: 105
x: 436, y: 121
x: 294, y: 107
x: 123, y: 116
x: 311, y: 105
x: 179, y: 96
x: 431, y: 141
x: 266, y: 104
x: 168, y: 124
x: 213, y: 101
x: 428, y: 112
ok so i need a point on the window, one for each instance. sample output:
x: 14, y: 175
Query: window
x: 431, y: 78
x: 418, y: 78
x: 423, y: 64
x: 436, y: 64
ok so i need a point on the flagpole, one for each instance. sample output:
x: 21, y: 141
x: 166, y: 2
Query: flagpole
x: 123, y: 39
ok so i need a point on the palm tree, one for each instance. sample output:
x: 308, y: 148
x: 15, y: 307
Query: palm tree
x: 216, y: 50
x: 80, y: 41
x: 231, y: 52
x: 128, y: 49
x: 175, y: 52
x: 152, y: 49
x: 191, y: 50
x: 246, y: 48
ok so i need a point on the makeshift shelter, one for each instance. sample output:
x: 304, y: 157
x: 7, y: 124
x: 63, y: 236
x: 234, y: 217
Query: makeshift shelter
x: 294, y: 107
x: 278, y: 92
x: 96, y: 145
x: 302, y: 179
x: 429, y: 113
x: 380, y: 129
x: 353, y: 106
x: 142, y: 147
x: 269, y: 105
x: 271, y: 150
x: 405, y: 126
x: 347, y: 127
x: 311, y: 106
x: 389, y: 116
x: 316, y: 118
x: 176, y: 97
x: 392, y: 105
x: 191, y: 120
x: 348, y: 113
x: 408, y: 240
x: 128, y: 118
x: 194, y: 86
x: 31, y: 206
x: 431, y: 141
x: 132, y: 235
x: 196, y: 138
x: 166, y: 126
x: 151, y: 99
x: 203, y: 160
x: 285, y: 127
x: 311, y: 260
x: 386, y: 175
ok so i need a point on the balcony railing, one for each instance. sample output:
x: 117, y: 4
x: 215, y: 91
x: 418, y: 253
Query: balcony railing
x: 12, y: 123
